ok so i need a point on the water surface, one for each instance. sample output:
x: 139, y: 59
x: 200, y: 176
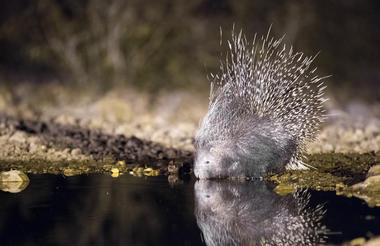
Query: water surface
x: 101, y: 210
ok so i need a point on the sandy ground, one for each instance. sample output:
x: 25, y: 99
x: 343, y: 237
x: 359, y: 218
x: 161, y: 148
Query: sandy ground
x: 172, y: 118
x: 168, y: 120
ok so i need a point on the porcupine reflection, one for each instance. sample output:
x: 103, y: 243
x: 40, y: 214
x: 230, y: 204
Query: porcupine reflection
x: 251, y: 213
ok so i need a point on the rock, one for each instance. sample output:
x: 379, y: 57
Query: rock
x: 373, y: 171
x: 13, y: 176
x: 172, y: 168
x: 357, y: 241
x: 43, y: 148
x: 369, y: 190
x: 71, y: 172
x: 13, y: 181
x: 373, y: 181
x: 373, y: 242
x: 33, y: 148
x: 76, y: 152
x: 328, y: 147
x: 115, y: 172
x: 284, y: 189
x: 18, y: 136
x: 13, y: 187
x: 121, y: 163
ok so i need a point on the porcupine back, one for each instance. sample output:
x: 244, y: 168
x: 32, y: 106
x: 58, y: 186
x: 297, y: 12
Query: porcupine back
x: 268, y: 86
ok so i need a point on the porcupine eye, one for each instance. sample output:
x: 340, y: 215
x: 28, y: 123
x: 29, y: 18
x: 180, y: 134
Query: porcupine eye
x: 207, y: 162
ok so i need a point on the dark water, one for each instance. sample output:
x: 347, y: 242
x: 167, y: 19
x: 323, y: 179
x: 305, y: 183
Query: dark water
x: 101, y: 210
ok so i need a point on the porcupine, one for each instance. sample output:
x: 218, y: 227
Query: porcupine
x: 265, y: 105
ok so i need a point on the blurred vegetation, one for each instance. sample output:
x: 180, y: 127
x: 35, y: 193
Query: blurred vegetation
x: 167, y: 44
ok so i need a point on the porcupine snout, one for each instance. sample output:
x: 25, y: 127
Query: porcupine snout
x: 212, y: 162
x: 218, y: 161
x: 205, y: 164
x: 253, y: 155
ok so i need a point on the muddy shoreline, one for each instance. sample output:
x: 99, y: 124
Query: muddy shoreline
x: 86, y: 151
x: 102, y: 146
x: 71, y: 148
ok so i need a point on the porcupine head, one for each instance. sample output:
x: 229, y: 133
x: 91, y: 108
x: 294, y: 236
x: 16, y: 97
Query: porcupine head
x: 265, y: 105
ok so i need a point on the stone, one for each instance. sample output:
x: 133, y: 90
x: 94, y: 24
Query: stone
x: 33, y: 148
x: 13, y: 181
x: 357, y: 241
x: 18, y: 136
x: 76, y: 152
x: 369, y: 190
x: 373, y: 171
x: 13, y: 176
x: 373, y: 181
x: 373, y: 242
x: 71, y: 172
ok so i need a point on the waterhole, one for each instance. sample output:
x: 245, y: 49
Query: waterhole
x: 101, y: 210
